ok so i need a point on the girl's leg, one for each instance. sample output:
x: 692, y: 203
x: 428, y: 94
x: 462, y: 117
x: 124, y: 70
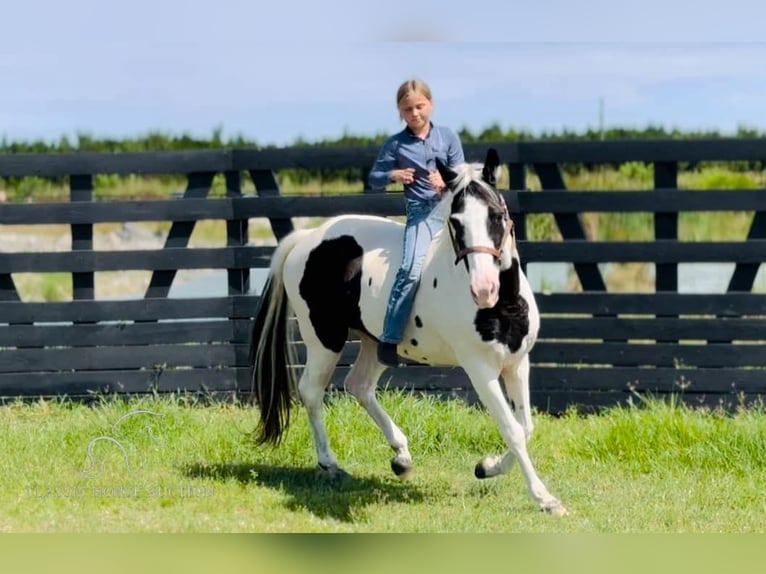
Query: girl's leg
x: 418, y: 234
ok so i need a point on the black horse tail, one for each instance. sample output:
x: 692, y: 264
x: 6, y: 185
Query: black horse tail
x: 272, y: 371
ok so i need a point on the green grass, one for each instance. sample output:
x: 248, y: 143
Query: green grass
x: 693, y: 226
x: 658, y: 468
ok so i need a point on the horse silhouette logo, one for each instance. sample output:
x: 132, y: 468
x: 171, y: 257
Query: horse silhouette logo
x: 117, y: 439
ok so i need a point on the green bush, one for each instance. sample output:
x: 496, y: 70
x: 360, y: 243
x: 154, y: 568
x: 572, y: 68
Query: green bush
x: 720, y: 178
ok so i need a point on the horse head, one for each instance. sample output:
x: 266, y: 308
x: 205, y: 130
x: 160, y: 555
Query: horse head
x: 480, y: 226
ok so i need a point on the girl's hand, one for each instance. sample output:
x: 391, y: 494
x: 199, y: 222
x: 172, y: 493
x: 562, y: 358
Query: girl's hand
x: 436, y: 181
x: 406, y: 175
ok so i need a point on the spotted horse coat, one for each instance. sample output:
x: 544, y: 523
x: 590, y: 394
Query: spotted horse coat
x: 474, y: 308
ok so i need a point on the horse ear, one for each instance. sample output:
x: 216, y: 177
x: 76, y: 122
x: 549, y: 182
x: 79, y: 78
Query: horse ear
x: 447, y: 173
x: 491, y: 167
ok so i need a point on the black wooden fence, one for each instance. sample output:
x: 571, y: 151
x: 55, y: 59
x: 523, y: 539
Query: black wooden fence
x: 596, y: 347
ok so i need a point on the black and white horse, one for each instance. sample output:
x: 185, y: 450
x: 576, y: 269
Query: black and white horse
x: 474, y: 309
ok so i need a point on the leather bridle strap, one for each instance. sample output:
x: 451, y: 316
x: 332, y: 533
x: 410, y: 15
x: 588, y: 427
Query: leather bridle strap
x: 496, y: 253
x: 477, y: 249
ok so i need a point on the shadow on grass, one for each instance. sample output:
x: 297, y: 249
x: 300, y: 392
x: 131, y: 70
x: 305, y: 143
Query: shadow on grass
x: 342, y: 499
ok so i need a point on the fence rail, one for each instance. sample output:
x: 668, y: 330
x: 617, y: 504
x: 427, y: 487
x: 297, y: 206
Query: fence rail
x: 596, y: 347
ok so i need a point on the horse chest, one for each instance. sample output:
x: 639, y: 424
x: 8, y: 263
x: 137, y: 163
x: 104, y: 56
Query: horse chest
x: 450, y: 308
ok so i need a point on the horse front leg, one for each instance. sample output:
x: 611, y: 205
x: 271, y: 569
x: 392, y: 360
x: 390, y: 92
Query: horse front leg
x: 516, y: 381
x: 361, y: 382
x: 486, y: 382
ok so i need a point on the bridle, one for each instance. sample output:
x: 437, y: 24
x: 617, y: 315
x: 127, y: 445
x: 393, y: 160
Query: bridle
x: 462, y: 254
x: 496, y: 253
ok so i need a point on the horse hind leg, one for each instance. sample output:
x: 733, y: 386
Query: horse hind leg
x: 485, y: 381
x: 361, y: 382
x: 320, y: 364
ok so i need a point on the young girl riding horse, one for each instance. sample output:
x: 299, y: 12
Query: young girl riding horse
x: 409, y: 157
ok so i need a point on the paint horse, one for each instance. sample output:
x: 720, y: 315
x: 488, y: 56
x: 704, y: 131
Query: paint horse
x: 337, y: 278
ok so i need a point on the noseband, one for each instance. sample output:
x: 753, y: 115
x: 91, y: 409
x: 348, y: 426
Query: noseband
x: 461, y: 254
x: 496, y: 253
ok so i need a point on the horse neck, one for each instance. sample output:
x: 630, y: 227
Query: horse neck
x: 515, y: 274
x: 444, y: 253
x: 514, y: 271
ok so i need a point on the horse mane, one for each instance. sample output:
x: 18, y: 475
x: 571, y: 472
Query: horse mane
x: 471, y: 172
x: 465, y: 173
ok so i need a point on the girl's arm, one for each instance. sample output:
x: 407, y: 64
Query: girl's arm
x: 455, y: 154
x: 380, y: 175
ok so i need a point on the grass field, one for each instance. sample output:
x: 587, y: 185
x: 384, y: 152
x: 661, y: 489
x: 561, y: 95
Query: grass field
x: 174, y: 464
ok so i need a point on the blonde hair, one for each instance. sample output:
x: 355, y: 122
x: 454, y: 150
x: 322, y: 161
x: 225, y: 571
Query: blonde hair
x: 413, y: 87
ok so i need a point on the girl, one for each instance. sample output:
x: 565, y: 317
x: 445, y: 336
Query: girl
x: 409, y: 158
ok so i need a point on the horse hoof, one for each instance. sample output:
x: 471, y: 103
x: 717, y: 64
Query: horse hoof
x: 486, y: 467
x: 555, y: 508
x: 402, y: 467
x: 333, y: 472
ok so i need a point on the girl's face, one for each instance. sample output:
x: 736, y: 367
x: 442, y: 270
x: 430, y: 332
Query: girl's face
x: 415, y: 110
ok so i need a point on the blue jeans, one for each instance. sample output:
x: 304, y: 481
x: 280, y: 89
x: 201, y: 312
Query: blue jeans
x: 423, y: 222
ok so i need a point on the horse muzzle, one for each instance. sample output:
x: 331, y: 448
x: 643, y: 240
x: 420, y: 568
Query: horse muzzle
x: 486, y: 294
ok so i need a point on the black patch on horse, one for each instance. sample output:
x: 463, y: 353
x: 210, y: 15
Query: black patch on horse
x: 508, y: 321
x: 331, y: 285
x: 458, y: 237
x: 496, y: 220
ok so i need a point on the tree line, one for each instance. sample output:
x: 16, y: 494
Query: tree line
x: 163, y: 141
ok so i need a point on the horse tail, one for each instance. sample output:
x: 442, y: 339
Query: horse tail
x: 272, y: 376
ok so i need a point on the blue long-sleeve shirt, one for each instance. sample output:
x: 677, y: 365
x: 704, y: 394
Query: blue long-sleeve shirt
x: 404, y: 149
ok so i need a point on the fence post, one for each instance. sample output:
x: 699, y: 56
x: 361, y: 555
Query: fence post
x: 180, y: 232
x: 517, y: 181
x: 266, y: 186
x: 81, y: 189
x: 666, y: 227
x: 236, y: 235
x: 570, y: 226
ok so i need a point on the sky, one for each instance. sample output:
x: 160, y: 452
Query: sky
x: 274, y: 72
